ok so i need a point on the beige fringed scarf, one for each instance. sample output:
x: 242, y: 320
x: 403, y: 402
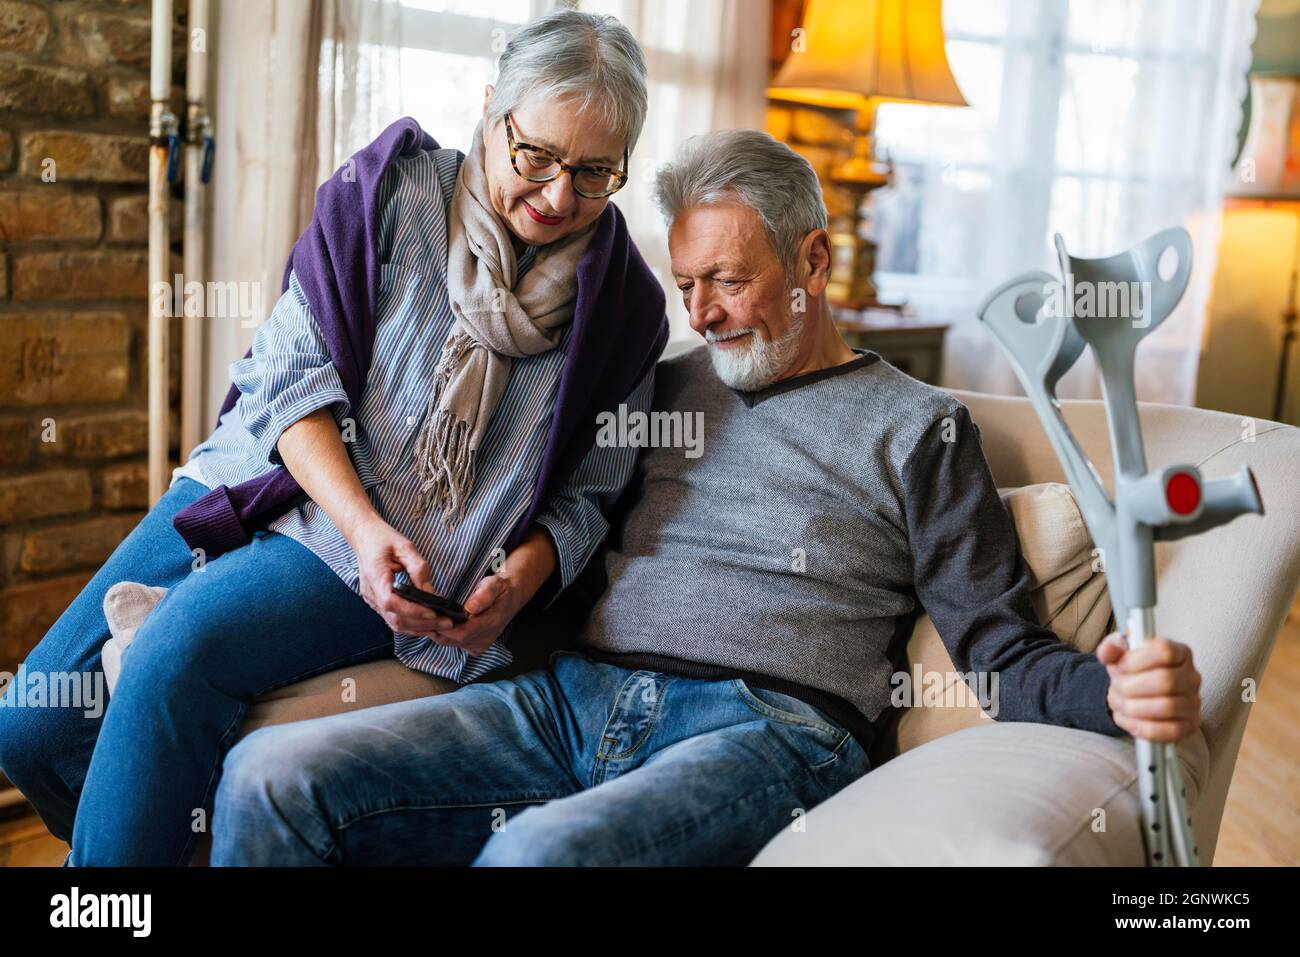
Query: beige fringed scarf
x: 495, y: 323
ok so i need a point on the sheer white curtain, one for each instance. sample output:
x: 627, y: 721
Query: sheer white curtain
x: 359, y: 76
x: 1103, y: 120
x: 707, y: 61
x: 266, y: 162
x: 429, y: 59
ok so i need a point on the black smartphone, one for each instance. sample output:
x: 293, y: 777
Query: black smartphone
x: 443, y: 606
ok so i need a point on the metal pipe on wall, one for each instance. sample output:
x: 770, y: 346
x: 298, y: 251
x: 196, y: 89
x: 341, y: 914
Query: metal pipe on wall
x: 198, y: 168
x: 162, y: 143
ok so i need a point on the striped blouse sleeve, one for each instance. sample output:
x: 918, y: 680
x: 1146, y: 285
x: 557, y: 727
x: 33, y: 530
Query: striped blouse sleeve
x: 576, y: 515
x: 289, y: 374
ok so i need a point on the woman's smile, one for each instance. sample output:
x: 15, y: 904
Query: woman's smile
x: 539, y: 218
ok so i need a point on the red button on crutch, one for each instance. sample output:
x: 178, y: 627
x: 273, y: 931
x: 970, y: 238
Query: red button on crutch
x: 1183, y: 493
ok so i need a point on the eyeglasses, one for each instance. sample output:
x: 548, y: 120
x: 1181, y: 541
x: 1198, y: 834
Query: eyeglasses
x: 541, y: 166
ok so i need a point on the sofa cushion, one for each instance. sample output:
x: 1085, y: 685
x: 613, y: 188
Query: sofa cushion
x: 364, y: 685
x: 356, y: 686
x: 996, y: 795
x: 1069, y: 597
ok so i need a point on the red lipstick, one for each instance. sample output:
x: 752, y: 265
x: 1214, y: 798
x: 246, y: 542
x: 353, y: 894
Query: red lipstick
x: 539, y: 218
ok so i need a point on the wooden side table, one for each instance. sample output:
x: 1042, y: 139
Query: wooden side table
x: 912, y: 345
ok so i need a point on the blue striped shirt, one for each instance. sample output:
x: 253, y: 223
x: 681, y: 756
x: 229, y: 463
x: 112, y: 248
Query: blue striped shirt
x: 290, y: 375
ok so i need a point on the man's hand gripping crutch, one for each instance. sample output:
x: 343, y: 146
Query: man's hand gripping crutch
x: 1043, y: 325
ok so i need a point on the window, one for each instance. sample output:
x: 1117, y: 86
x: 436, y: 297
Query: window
x: 1105, y: 121
x: 429, y: 59
x: 449, y: 53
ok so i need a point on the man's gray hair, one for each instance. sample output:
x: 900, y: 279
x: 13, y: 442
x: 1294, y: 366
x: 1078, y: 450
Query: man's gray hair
x: 571, y: 53
x: 751, y: 168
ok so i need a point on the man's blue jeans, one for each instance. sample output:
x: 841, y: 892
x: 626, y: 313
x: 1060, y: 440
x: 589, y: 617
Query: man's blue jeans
x: 138, y: 778
x: 581, y: 763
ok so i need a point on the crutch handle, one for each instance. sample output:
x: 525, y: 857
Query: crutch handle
x: 1222, y: 500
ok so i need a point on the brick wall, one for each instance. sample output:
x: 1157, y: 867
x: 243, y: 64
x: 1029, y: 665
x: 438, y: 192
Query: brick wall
x: 74, y: 110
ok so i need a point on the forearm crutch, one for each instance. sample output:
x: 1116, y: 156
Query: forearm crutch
x: 1043, y: 326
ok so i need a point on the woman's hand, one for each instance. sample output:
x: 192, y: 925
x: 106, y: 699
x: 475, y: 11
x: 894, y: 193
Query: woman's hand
x: 1154, y: 690
x: 498, y: 597
x: 381, y: 552
x: 493, y: 604
x: 315, y: 456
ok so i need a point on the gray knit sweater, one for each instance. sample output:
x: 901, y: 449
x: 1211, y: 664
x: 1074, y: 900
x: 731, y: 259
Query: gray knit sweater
x: 799, y: 543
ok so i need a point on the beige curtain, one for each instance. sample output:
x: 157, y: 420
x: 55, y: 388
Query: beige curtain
x: 298, y: 81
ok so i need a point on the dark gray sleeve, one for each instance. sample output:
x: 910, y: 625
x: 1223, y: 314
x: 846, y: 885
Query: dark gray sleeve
x: 971, y: 579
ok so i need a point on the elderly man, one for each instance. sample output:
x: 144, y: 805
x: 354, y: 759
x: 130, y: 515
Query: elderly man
x: 732, y: 674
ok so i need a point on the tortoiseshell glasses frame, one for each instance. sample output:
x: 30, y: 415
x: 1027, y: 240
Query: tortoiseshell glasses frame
x: 541, y: 166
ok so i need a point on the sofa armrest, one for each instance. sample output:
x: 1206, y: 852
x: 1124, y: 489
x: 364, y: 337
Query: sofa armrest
x: 990, y: 795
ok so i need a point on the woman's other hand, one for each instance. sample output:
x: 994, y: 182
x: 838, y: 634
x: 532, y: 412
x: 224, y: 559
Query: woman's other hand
x: 498, y: 597
x: 492, y: 605
x: 381, y: 552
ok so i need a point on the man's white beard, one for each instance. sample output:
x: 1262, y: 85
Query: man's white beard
x: 759, y: 364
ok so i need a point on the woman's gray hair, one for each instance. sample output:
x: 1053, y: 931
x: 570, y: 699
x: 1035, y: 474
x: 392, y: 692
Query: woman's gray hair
x: 571, y: 53
x: 751, y: 168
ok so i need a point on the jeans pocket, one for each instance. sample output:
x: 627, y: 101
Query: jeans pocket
x: 791, y: 710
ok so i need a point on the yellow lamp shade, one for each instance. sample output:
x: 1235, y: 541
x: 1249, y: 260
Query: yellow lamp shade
x: 859, y: 52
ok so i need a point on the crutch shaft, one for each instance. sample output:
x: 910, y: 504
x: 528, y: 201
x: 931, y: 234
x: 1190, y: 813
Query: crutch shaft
x: 1166, y: 824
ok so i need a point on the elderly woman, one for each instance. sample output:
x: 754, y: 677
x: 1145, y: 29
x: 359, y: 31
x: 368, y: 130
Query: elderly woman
x: 421, y: 405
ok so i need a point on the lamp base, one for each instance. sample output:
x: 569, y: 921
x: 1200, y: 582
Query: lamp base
x: 853, y: 257
x: 853, y: 261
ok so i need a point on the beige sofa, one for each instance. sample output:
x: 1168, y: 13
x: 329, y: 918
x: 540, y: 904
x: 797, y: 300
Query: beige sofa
x: 983, y: 792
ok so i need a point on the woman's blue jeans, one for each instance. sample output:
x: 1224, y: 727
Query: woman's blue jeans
x: 133, y: 785
x: 581, y: 763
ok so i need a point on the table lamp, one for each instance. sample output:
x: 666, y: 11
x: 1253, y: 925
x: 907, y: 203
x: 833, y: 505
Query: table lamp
x: 856, y: 55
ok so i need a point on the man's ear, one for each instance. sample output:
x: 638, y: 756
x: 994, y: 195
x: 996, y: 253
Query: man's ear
x: 815, y: 260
